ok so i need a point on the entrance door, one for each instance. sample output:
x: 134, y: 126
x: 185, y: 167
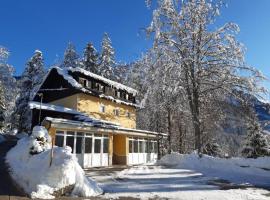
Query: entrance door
x: 105, y: 151
x: 97, y: 154
x: 88, y: 142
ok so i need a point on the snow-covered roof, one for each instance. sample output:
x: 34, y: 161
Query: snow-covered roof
x: 79, y: 116
x: 51, y: 107
x: 97, y: 124
x: 105, y: 80
x: 64, y: 73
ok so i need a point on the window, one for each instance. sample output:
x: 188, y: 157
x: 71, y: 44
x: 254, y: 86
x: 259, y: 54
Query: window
x: 140, y: 146
x: 118, y: 94
x: 59, y: 140
x: 135, y: 143
x: 78, y: 145
x: 83, y: 82
x: 127, y: 97
x: 101, y: 88
x: 130, y: 146
x: 155, y: 147
x: 105, y: 145
x: 128, y: 115
x: 102, y: 108
x: 116, y: 112
x: 88, y: 145
x: 70, y: 142
x: 97, y: 146
x: 89, y: 84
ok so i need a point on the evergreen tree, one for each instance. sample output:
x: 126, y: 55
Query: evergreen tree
x: 30, y: 80
x: 2, y: 107
x: 107, y: 60
x: 256, y: 143
x: 71, y: 58
x: 90, y: 58
x: 9, y: 86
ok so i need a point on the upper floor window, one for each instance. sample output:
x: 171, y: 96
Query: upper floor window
x: 102, y: 108
x: 116, y: 112
x: 128, y: 115
x: 118, y: 94
x: 83, y: 82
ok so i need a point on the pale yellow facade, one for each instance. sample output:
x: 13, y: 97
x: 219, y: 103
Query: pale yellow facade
x: 101, y: 108
x: 69, y: 102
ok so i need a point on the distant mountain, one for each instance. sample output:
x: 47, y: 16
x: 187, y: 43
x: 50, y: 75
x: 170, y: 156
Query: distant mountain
x: 263, y: 111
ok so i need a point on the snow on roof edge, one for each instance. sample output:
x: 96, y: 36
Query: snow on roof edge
x: 105, y: 80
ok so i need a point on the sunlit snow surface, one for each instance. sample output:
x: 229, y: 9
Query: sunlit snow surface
x: 179, y: 181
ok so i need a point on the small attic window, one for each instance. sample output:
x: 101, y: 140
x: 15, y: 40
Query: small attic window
x: 83, y: 82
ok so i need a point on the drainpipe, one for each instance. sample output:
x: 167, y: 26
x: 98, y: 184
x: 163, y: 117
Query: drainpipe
x: 41, y: 98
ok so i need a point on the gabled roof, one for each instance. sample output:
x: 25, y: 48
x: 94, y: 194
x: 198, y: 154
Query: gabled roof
x: 67, y: 75
x: 104, y: 80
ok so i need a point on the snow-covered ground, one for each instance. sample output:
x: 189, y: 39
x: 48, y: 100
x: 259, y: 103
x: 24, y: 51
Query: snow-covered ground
x: 32, y: 169
x: 180, y: 177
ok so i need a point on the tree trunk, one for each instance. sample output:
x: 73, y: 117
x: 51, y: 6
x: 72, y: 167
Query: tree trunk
x: 169, y: 131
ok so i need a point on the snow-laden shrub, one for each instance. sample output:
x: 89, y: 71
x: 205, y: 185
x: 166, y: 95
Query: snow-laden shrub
x: 37, y: 177
x: 212, y: 149
x: 41, y: 140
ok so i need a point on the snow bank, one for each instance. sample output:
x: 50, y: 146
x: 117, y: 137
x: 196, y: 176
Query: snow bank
x: 238, y: 170
x: 30, y: 167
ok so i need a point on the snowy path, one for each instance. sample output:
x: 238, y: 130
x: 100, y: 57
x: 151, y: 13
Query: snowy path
x: 158, y: 182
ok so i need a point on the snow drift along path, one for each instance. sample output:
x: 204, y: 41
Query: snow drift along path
x: 238, y: 170
x: 30, y: 167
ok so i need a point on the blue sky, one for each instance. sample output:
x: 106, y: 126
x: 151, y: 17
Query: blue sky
x: 49, y: 25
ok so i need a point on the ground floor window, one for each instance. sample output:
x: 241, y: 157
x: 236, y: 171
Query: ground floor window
x: 82, y: 142
x: 141, y: 145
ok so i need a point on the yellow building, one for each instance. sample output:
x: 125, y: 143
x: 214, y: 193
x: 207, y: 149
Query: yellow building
x: 93, y: 115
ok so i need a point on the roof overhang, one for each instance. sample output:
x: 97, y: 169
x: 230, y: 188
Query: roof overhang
x: 89, y: 127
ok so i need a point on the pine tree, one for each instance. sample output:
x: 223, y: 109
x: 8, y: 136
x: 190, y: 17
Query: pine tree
x: 71, y: 58
x: 31, y: 79
x: 2, y: 107
x: 256, y: 143
x: 107, y: 60
x: 90, y: 58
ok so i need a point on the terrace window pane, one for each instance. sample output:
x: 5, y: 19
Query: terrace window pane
x: 88, y: 145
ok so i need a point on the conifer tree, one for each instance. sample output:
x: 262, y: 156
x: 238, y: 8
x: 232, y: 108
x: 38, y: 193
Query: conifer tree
x: 256, y: 143
x: 90, y: 58
x: 71, y: 58
x: 31, y: 79
x: 107, y: 60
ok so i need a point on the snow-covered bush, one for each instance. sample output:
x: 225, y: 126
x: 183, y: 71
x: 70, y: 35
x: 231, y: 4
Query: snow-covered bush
x: 37, y: 177
x: 212, y: 149
x: 256, y: 143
